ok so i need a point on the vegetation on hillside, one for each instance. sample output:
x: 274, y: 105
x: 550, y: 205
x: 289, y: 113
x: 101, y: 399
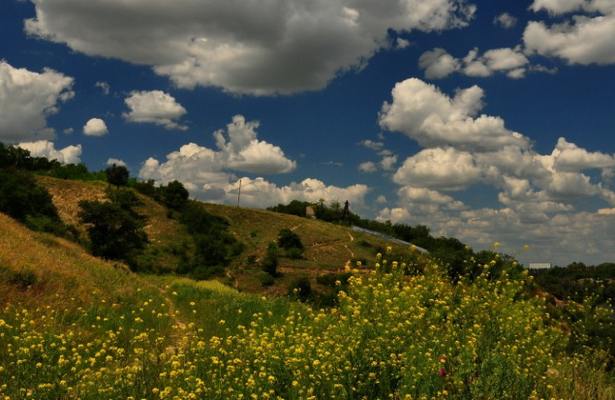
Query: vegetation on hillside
x: 460, y: 324
x: 115, y: 229
x: 391, y: 336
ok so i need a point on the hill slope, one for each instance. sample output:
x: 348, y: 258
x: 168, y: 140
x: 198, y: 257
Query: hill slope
x: 328, y: 247
x: 42, y: 269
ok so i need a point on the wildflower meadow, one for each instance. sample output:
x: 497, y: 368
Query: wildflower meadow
x: 391, y: 336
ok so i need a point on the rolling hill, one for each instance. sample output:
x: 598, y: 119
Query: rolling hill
x: 328, y: 247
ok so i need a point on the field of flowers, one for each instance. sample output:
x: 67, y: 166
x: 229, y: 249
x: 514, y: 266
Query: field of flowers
x: 392, y: 336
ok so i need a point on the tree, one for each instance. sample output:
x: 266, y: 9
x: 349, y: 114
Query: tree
x: 270, y: 262
x: 175, y: 195
x: 117, y: 175
x: 115, y: 233
x: 288, y: 239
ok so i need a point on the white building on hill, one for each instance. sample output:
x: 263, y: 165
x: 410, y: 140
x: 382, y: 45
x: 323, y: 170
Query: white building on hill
x: 540, y: 266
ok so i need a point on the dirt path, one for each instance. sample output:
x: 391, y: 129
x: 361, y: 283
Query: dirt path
x: 179, y: 326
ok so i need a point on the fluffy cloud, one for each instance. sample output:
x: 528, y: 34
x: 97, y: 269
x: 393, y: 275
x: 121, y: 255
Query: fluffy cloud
x: 543, y: 197
x: 258, y: 47
x: 260, y: 193
x: 116, y: 161
x: 210, y: 174
x: 155, y: 107
x: 438, y: 63
x: 242, y: 151
x: 432, y: 118
x: 570, y: 157
x: 386, y: 163
x: 447, y: 169
x: 95, y: 127
x: 505, y: 20
x: 205, y: 169
x: 587, y: 38
x: 45, y: 148
x: 27, y: 98
x: 368, y: 167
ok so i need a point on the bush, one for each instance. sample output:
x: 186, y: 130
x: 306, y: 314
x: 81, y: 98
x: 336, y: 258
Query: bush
x: 117, y: 175
x: 330, y: 279
x: 288, y: 239
x: 270, y: 262
x: 115, y: 232
x: 23, y: 279
x: 215, y: 246
x: 294, y: 253
x: 174, y: 195
x: 23, y: 199
x: 300, y: 288
x: 266, y: 279
x: 148, y: 189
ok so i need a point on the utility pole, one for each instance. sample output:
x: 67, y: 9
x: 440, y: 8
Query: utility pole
x: 239, y: 193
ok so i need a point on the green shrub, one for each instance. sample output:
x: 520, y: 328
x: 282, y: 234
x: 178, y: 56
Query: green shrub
x: 270, y: 261
x: 174, y: 195
x: 23, y: 279
x: 117, y: 175
x: 266, y: 279
x: 23, y: 199
x: 115, y: 232
x: 288, y: 239
x: 294, y: 253
x: 331, y: 279
x: 300, y: 288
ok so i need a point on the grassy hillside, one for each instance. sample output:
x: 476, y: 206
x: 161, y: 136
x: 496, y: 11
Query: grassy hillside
x: 328, y: 247
x: 39, y: 268
x: 165, y: 234
x: 74, y: 326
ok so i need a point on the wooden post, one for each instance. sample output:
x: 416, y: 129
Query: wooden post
x: 239, y: 193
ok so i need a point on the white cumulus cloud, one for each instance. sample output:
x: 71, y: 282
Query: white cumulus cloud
x: 546, y: 200
x: 258, y: 47
x: 155, y: 107
x: 422, y: 112
x: 585, y: 38
x: 513, y: 62
x: 27, y: 98
x: 45, y: 148
x: 95, y: 127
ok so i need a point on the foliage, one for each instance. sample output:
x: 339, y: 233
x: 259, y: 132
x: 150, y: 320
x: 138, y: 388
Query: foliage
x: 117, y: 175
x: 291, y: 243
x: 270, y: 261
x: 215, y: 246
x: 391, y: 336
x: 23, y: 199
x: 174, y: 195
x: 455, y: 257
x: 577, y: 281
x: 300, y: 288
x: 74, y: 172
x: 288, y: 239
x: 18, y: 158
x: 23, y: 278
x: 114, y: 228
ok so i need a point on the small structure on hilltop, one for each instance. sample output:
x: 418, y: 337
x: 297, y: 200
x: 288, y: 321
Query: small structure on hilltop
x: 540, y: 266
x: 309, y: 212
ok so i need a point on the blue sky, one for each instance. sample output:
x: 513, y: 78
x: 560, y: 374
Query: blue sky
x: 305, y: 87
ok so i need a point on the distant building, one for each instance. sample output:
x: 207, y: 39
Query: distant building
x: 540, y: 266
x: 309, y: 212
